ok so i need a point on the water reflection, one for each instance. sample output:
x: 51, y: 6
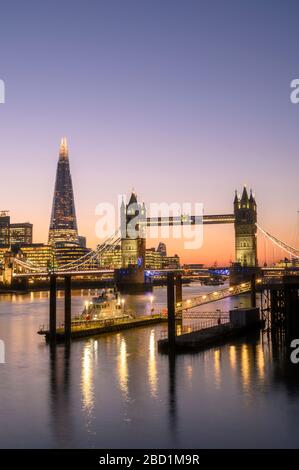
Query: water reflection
x: 217, y: 367
x: 144, y: 398
x: 87, y: 377
x: 245, y: 367
x: 123, y: 368
x: 152, y: 365
x: 260, y: 361
x: 60, y: 403
x: 232, y: 357
x: 172, y: 398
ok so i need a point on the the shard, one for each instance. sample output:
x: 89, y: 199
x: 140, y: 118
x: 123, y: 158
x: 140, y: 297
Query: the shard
x: 63, y: 224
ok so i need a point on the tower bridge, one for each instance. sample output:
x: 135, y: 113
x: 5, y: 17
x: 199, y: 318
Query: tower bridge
x: 131, y: 237
x: 133, y: 246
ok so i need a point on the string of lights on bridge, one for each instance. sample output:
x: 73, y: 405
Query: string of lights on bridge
x: 85, y: 262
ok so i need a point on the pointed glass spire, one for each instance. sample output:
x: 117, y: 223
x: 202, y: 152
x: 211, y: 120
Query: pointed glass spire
x: 63, y: 149
x: 63, y: 224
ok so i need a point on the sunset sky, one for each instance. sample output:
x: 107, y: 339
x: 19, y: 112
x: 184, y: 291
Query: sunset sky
x: 183, y: 100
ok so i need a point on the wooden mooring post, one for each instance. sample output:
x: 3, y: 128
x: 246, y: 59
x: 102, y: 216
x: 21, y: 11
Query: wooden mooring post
x: 52, y: 310
x: 67, y: 307
x: 253, y: 290
x: 171, y: 310
x: 178, y: 289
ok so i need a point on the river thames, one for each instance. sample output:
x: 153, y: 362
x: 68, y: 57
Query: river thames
x: 117, y: 391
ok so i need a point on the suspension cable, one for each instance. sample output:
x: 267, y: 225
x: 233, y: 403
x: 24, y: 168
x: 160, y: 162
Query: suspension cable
x: 287, y: 248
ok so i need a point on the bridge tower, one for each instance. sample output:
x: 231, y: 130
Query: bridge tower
x: 245, y: 211
x: 10, y: 267
x: 133, y: 246
x: 245, y: 229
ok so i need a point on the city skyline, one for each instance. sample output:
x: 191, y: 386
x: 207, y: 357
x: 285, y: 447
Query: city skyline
x: 149, y: 231
x: 155, y: 105
x: 63, y: 220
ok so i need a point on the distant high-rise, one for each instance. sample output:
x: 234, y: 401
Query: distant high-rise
x: 21, y: 233
x: 4, y: 227
x: 63, y: 224
x: 162, y: 249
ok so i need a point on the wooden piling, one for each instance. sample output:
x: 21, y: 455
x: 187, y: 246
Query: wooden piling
x: 52, y: 310
x: 253, y: 290
x: 67, y: 307
x: 171, y: 310
x: 178, y: 289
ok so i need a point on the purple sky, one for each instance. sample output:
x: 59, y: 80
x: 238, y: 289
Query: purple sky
x: 182, y: 100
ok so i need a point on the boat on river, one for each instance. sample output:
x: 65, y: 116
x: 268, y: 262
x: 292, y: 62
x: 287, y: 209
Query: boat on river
x: 106, y: 305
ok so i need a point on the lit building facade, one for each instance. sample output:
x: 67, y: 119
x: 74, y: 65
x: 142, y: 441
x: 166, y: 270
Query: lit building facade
x: 68, y: 252
x: 153, y: 259
x: 3, y: 249
x: 39, y: 254
x: 171, y: 262
x: 21, y: 233
x: 4, y: 228
x: 111, y: 258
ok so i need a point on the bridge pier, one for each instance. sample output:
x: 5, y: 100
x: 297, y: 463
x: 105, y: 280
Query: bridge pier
x: 67, y: 307
x: 239, y: 273
x: 131, y: 280
x: 52, y: 310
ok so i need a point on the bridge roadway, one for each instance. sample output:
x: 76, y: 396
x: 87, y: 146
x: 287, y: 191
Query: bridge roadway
x: 65, y: 273
x: 85, y: 272
x: 190, y: 220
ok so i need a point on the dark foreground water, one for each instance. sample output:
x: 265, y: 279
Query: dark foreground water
x: 118, y: 391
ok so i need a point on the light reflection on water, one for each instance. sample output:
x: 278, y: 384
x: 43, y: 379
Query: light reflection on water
x: 118, y: 391
x: 87, y: 377
x: 123, y: 367
x: 152, y: 365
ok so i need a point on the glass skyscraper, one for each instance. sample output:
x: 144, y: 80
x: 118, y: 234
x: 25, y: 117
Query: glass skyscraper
x: 63, y: 224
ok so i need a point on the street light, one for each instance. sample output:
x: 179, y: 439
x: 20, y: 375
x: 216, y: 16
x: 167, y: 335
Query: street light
x: 123, y: 304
